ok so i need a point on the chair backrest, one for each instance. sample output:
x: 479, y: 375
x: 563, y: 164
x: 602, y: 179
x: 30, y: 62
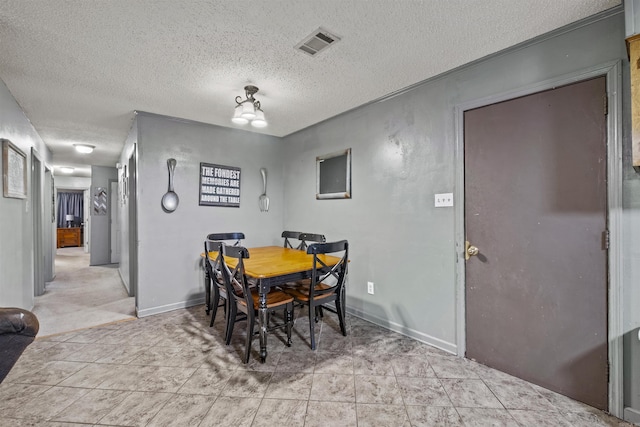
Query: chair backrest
x: 290, y: 235
x: 321, y: 271
x: 227, y: 236
x: 213, y: 265
x: 235, y: 280
x: 310, y: 237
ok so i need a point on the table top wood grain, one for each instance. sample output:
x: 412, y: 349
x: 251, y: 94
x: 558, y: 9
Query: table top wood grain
x: 272, y: 261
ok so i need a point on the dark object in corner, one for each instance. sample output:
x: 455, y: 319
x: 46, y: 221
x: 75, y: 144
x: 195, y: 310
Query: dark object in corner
x: 18, y: 329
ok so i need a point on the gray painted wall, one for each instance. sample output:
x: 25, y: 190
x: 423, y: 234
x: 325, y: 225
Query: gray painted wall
x: 16, y: 216
x: 125, y: 226
x: 63, y: 182
x: 100, y: 252
x: 49, y: 227
x: 403, y: 153
x: 169, y: 244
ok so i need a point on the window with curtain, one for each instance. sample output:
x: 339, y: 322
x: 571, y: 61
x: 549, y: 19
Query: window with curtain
x: 70, y: 204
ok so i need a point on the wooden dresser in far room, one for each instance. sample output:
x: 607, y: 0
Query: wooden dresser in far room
x: 69, y: 237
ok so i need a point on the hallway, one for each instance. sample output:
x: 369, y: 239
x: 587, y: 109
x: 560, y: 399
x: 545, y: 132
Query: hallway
x: 81, y: 296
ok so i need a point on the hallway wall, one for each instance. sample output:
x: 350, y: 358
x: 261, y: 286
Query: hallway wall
x: 16, y: 215
x: 100, y: 224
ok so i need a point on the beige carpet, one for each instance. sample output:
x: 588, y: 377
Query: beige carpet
x: 81, y: 296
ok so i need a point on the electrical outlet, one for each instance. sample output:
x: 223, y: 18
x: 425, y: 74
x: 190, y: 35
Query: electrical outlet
x: 443, y: 200
x: 370, y: 287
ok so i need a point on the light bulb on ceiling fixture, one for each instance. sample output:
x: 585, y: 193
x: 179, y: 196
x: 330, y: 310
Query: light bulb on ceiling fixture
x: 237, y: 116
x: 248, y: 109
x: 66, y: 169
x: 84, y: 148
x: 259, y: 121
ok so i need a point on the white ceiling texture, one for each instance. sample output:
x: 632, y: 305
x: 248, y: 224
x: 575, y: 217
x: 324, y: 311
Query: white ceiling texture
x: 80, y: 68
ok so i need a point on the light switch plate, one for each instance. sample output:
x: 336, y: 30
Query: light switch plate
x: 443, y: 200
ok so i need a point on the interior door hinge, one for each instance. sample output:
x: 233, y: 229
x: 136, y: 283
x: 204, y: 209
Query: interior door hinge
x: 606, y: 104
x: 605, y: 239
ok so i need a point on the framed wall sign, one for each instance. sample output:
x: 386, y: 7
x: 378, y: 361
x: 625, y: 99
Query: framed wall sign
x: 14, y: 171
x: 100, y: 201
x: 219, y: 185
x: 333, y: 175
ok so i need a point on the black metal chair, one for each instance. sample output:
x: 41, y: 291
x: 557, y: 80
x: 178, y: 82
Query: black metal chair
x: 245, y: 299
x: 212, y: 292
x: 223, y: 237
x: 290, y: 235
x: 304, y: 238
x: 320, y: 291
x: 310, y: 237
x: 215, y: 288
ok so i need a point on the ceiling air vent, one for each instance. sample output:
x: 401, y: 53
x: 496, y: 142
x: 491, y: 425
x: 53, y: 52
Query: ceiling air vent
x: 317, y: 41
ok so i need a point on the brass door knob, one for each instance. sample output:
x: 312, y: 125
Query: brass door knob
x: 470, y: 250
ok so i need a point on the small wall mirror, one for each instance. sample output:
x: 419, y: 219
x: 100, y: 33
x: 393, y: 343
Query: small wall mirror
x: 333, y: 180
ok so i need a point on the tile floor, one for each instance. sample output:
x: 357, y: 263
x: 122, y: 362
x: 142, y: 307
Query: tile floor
x: 173, y: 370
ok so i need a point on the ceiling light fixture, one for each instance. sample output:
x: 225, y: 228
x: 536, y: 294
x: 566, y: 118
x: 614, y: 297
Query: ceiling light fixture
x: 248, y: 109
x: 66, y: 169
x: 84, y: 148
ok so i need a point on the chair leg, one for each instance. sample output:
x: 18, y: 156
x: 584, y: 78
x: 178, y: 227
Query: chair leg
x: 339, y: 309
x: 214, y: 304
x: 231, y: 320
x: 207, y: 290
x: 250, y: 324
x: 312, y: 325
x: 289, y: 319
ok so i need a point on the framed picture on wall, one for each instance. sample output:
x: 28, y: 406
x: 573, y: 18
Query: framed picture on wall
x: 333, y: 175
x: 14, y: 171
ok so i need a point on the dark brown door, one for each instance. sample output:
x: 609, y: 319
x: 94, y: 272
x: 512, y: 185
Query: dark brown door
x: 536, y: 208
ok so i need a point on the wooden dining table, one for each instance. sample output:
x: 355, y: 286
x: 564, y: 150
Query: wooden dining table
x: 271, y: 266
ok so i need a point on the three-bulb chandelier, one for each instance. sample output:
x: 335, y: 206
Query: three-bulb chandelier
x: 248, y: 109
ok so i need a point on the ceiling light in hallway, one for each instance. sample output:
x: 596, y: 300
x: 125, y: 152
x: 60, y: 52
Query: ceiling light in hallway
x: 84, y: 148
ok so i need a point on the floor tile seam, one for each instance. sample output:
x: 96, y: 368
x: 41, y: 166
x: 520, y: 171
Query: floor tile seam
x: 451, y: 401
x: 496, y: 396
x: 564, y: 413
x: 489, y: 382
x: 555, y: 407
x: 165, y: 403
x: 128, y: 393
x: 58, y: 412
x: 312, y: 399
x: 404, y: 403
x: 537, y: 412
x: 209, y: 410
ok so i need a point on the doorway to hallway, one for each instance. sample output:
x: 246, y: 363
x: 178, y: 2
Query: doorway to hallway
x: 82, y: 296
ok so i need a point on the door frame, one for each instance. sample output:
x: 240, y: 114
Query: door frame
x: 37, y: 208
x: 114, y: 218
x: 613, y: 73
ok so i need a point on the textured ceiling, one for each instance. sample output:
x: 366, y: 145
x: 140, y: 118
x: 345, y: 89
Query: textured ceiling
x: 80, y: 68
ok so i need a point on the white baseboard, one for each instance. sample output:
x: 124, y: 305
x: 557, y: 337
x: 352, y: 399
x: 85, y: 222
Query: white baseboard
x: 169, y: 307
x: 411, y: 333
x: 632, y: 415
